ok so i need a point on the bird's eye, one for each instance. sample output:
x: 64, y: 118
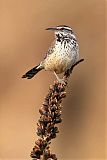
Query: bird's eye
x: 62, y: 29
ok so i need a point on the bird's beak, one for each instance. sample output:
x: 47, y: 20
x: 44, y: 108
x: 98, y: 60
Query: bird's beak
x: 52, y: 29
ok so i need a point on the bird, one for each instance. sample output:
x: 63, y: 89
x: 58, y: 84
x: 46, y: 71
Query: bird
x: 62, y: 54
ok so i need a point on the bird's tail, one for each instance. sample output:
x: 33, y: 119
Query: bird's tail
x: 31, y: 73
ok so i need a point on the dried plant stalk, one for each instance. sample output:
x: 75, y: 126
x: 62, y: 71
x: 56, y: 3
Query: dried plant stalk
x: 50, y: 116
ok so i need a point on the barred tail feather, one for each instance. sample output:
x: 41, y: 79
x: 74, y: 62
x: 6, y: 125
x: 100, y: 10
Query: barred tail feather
x: 31, y: 73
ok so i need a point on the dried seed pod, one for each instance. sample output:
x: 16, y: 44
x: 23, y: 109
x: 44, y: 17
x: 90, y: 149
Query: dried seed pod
x: 53, y: 108
x: 42, y: 111
x: 53, y: 135
x: 58, y: 120
x: 40, y: 131
x: 53, y: 156
x: 45, y: 103
x: 36, y: 153
x: 63, y: 95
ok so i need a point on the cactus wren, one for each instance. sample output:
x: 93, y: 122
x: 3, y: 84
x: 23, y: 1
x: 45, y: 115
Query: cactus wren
x: 61, y: 55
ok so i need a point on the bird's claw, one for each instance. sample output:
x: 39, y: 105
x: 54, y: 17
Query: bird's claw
x: 62, y: 81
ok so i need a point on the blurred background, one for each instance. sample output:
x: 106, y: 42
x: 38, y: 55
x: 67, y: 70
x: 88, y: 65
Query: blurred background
x: 23, y: 43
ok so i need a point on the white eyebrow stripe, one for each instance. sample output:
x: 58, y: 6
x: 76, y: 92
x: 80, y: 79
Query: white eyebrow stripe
x: 65, y: 28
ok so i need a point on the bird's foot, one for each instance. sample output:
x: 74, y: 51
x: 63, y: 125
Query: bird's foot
x: 62, y: 81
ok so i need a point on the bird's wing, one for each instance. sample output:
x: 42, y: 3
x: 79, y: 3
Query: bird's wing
x: 50, y: 50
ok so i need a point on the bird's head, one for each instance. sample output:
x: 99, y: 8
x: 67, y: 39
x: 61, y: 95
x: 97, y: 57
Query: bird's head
x: 61, y: 31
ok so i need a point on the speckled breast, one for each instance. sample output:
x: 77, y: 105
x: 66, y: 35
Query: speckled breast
x: 62, y: 58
